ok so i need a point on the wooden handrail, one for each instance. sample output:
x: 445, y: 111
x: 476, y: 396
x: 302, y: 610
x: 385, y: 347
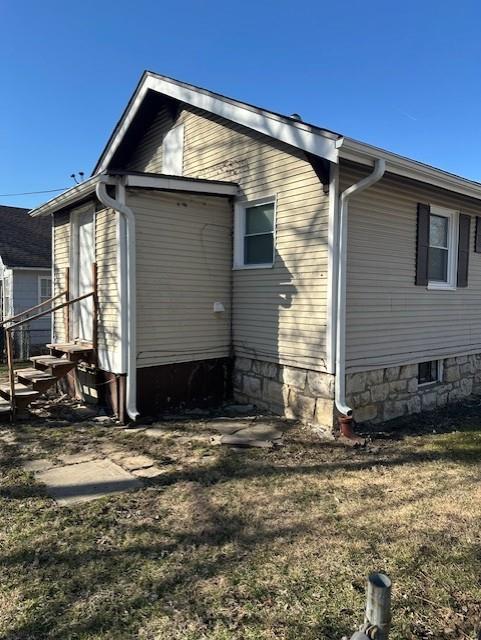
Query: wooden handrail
x: 44, y: 313
x: 11, y: 374
x: 13, y: 325
x: 37, y: 306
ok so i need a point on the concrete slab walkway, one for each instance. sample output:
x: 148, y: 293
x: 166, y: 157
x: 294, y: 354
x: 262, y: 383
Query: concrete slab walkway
x: 86, y: 481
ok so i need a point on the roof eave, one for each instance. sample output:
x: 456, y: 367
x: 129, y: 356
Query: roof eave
x: 137, y: 180
x: 362, y: 153
x: 80, y: 191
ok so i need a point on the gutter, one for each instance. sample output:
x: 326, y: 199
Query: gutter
x: 340, y: 381
x: 128, y: 304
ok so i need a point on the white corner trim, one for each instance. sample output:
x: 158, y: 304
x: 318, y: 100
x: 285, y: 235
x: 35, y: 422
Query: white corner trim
x: 332, y: 266
x: 296, y: 134
x: 239, y: 226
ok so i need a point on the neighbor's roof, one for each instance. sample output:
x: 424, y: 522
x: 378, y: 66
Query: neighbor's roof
x: 24, y: 241
x: 308, y: 137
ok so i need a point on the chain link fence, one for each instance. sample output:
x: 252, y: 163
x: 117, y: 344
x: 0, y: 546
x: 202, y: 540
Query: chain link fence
x: 27, y: 342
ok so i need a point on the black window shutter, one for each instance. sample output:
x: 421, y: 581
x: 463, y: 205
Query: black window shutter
x: 463, y: 250
x: 422, y: 248
x: 477, y: 240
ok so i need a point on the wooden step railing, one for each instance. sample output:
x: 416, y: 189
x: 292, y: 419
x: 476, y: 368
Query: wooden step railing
x: 9, y: 324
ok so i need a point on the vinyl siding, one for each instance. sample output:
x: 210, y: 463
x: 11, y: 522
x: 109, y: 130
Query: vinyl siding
x: 108, y: 282
x: 25, y: 295
x: 106, y: 256
x: 279, y: 314
x: 147, y: 155
x: 61, y: 261
x: 183, y: 267
x: 390, y: 320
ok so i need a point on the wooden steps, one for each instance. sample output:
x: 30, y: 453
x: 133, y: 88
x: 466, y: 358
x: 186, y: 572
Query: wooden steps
x: 57, y: 366
x: 72, y: 347
x: 20, y: 390
x: 5, y: 408
x: 24, y: 395
x: 45, y: 372
x: 39, y: 380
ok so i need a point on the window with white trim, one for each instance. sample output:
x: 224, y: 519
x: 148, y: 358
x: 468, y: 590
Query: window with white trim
x: 443, y: 248
x: 44, y: 288
x: 173, y: 151
x: 254, y: 241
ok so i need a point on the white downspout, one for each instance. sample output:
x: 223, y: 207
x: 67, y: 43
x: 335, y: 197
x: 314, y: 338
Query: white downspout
x: 340, y: 384
x: 128, y: 286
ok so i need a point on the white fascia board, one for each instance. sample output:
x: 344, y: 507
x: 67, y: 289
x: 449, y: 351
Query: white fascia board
x: 174, y: 184
x: 296, y: 134
x: 366, y: 154
x: 66, y: 198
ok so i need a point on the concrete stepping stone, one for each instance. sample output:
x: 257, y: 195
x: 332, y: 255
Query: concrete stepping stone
x: 226, y: 426
x: 260, y: 432
x: 132, y: 462
x: 149, y: 472
x: 41, y: 464
x: 236, y: 440
x: 76, y: 458
x: 86, y: 481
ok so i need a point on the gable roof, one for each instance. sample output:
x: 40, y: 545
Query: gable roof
x: 24, y: 241
x: 308, y: 137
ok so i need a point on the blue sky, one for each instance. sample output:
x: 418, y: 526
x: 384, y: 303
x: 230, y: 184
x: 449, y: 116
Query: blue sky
x: 401, y: 75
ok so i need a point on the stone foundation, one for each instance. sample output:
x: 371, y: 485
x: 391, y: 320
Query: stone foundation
x: 384, y: 394
x: 288, y: 391
x: 375, y: 396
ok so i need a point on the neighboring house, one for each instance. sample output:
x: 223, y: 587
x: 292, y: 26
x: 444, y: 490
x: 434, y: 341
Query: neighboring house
x: 231, y: 247
x: 25, y: 273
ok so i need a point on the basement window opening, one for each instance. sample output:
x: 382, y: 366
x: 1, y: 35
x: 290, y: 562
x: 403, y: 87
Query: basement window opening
x: 429, y: 372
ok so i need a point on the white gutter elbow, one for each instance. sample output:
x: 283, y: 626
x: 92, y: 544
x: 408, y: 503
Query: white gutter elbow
x: 340, y: 382
x: 127, y: 288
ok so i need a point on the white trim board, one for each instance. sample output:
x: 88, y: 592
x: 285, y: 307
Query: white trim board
x: 167, y: 183
x: 296, y: 134
x: 172, y: 183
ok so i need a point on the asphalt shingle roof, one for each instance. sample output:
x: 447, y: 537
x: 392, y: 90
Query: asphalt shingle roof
x: 24, y: 241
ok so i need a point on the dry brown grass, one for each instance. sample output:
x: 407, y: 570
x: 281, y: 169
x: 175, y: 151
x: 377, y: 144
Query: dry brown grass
x: 249, y: 545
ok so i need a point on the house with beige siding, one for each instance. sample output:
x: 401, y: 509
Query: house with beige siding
x: 221, y: 250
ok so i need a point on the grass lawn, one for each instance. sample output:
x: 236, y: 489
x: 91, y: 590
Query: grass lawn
x: 248, y: 545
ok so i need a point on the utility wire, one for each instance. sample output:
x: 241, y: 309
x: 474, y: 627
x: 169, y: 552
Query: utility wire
x: 29, y: 193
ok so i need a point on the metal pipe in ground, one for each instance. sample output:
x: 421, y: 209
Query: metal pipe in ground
x: 378, y: 605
